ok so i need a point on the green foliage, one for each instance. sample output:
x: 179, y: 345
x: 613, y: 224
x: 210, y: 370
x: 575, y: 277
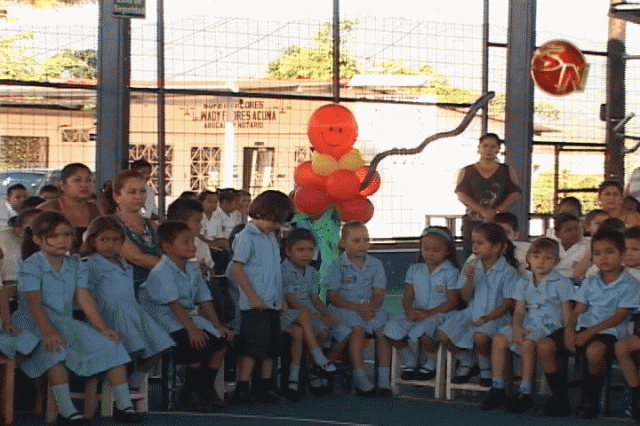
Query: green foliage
x: 73, y: 64
x: 14, y: 63
x: 544, y: 110
x: 46, y: 4
x: 543, y: 196
x: 315, y: 62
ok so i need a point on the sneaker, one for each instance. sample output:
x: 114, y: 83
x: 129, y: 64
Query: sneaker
x: 520, y: 403
x: 408, y: 373
x: 496, y: 399
x: 554, y: 407
x: 425, y: 374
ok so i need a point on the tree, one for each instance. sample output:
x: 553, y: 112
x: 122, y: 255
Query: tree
x: 72, y: 64
x: 14, y: 63
x: 315, y: 62
x: 543, y: 196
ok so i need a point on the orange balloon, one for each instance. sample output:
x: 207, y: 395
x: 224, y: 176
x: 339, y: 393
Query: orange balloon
x: 332, y: 129
x: 304, y: 175
x: 312, y: 199
x: 343, y: 184
x: 357, y: 208
x: 373, y: 186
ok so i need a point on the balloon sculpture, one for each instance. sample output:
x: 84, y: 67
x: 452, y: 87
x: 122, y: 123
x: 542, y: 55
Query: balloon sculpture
x: 337, y: 170
x: 337, y: 173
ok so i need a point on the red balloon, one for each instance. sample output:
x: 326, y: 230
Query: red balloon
x: 357, y: 208
x: 373, y: 186
x: 332, y: 130
x: 312, y: 199
x: 343, y: 184
x: 304, y: 175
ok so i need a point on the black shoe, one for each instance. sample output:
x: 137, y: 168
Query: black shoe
x: 520, y: 403
x: 588, y: 412
x: 268, y: 396
x: 474, y: 371
x: 193, y: 401
x: 386, y: 392
x: 496, y: 399
x: 408, y: 373
x: 554, y: 407
x: 486, y: 382
x: 211, y: 397
x: 425, y: 374
x: 291, y: 394
x: 369, y: 393
x: 76, y: 419
x: 128, y: 415
x: 241, y: 398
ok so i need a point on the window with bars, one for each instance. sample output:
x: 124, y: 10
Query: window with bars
x: 302, y: 154
x: 150, y: 153
x: 205, y: 168
x: 24, y: 151
x: 258, y: 169
x: 76, y: 134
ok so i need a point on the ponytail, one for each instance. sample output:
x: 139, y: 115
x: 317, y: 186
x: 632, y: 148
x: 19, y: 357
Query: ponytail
x: 510, y: 254
x: 29, y: 246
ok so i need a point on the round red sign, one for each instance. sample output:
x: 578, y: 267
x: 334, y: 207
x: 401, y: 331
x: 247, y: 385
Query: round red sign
x: 558, y: 67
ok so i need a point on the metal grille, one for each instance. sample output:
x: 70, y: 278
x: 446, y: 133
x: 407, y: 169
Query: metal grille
x: 205, y: 168
x: 149, y: 153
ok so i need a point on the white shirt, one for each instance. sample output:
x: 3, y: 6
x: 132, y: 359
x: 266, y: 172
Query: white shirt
x: 221, y: 224
x: 570, y: 258
x: 150, y: 207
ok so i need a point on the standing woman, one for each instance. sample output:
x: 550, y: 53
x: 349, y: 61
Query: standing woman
x: 611, y: 199
x: 74, y: 201
x: 486, y: 187
x: 141, y: 248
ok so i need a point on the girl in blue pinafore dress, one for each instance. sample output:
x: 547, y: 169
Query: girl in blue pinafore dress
x: 111, y: 280
x: 14, y: 342
x: 50, y: 281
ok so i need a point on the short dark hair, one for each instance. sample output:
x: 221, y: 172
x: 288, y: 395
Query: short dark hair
x: 204, y: 194
x: 48, y: 188
x: 572, y: 201
x: 613, y: 223
x: 31, y: 202
x: 15, y: 187
x: 188, y: 194
x: 562, y: 218
x: 71, y: 169
x: 349, y: 226
x: 609, y: 234
x: 298, y: 234
x: 169, y: 230
x: 272, y: 205
x: 182, y: 208
x: 607, y: 183
x: 507, y: 218
x: 492, y: 136
x: 545, y: 244
x: 228, y: 194
x: 139, y: 164
x: 632, y: 233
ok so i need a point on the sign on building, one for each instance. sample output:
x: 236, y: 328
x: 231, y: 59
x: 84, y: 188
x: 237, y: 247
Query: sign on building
x: 129, y: 8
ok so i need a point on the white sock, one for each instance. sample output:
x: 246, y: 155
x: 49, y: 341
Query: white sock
x: 408, y: 355
x: 63, y: 400
x: 485, y: 366
x: 361, y: 380
x: 431, y: 362
x: 319, y: 357
x: 294, y: 376
x: 384, y: 377
x: 465, y: 359
x: 122, y: 396
x: 136, y: 378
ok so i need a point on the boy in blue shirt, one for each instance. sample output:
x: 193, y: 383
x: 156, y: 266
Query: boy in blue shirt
x: 604, y: 301
x: 171, y: 293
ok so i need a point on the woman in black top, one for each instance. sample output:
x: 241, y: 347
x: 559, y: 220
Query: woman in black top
x: 486, y: 187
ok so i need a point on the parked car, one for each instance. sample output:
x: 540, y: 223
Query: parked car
x: 32, y: 178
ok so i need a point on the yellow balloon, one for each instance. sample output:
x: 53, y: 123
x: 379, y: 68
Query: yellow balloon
x: 352, y: 160
x: 324, y: 164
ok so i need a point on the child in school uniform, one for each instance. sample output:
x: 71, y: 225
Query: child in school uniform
x: 49, y: 282
x: 356, y: 288
x: 111, y: 281
x: 487, y: 286
x: 603, y: 303
x: 255, y: 269
x: 429, y: 296
x: 542, y: 316
x: 626, y: 350
x: 573, y: 246
x: 10, y: 246
x: 171, y: 294
x: 307, y: 318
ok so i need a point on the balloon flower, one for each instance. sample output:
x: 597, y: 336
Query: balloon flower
x: 337, y: 170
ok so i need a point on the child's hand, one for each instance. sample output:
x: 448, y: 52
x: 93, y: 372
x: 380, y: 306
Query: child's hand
x: 197, y: 338
x: 257, y: 303
x: 518, y: 334
x: 111, y: 335
x: 53, y: 341
x: 582, y: 338
x: 13, y: 330
x: 480, y: 321
x: 420, y: 314
x: 469, y: 272
x: 570, y: 340
x: 227, y: 333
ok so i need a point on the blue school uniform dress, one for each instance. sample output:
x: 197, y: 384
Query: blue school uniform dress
x: 303, y: 285
x: 356, y: 286
x: 112, y: 286
x: 544, y: 301
x: 87, y: 352
x: 490, y: 289
x: 430, y: 290
x: 167, y: 283
x: 24, y: 343
x: 260, y: 255
x: 603, y: 299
